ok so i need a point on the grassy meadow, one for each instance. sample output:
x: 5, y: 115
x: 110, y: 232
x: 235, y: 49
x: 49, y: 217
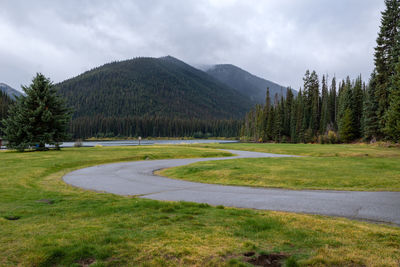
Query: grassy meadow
x: 337, y: 167
x: 45, y: 222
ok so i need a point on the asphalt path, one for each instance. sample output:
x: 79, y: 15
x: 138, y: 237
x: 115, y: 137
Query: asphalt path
x: 137, y: 178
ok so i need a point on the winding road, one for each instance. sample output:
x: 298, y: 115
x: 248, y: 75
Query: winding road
x: 138, y: 178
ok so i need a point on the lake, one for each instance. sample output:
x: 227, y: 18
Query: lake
x: 146, y: 142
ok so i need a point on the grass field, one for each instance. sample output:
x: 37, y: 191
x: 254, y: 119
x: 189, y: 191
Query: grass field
x: 338, y: 167
x: 60, y: 225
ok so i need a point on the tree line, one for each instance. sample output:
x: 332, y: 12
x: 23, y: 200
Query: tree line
x: 151, y: 126
x: 327, y: 112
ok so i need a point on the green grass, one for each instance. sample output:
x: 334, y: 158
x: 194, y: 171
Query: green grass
x: 343, y: 150
x: 351, y: 167
x: 83, y: 227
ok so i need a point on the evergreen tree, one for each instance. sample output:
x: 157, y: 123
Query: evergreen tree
x: 345, y: 113
x: 37, y: 119
x: 370, y: 118
x: 325, y: 116
x: 267, y: 107
x: 392, y: 116
x: 333, y: 105
x: 386, y: 56
x: 357, y: 106
x: 346, y: 130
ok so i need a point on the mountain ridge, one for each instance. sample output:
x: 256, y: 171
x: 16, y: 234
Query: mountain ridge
x: 245, y: 82
x: 11, y: 92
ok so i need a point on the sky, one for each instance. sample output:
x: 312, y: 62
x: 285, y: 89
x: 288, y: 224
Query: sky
x: 275, y: 39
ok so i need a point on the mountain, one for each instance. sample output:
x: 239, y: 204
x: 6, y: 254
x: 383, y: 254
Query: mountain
x: 244, y: 82
x: 163, y: 87
x: 11, y: 92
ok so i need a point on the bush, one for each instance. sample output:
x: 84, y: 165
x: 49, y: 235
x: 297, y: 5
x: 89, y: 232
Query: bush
x: 332, y: 137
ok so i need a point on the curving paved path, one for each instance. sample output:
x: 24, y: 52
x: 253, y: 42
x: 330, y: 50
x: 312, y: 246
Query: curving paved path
x: 137, y: 178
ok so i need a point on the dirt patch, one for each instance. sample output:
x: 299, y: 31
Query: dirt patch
x: 46, y: 201
x: 267, y: 260
x: 249, y: 254
x: 86, y: 262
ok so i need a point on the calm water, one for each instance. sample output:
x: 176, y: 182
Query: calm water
x: 146, y: 142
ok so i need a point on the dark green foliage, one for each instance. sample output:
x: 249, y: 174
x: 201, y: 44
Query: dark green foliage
x: 325, y: 115
x: 333, y: 104
x: 148, y: 126
x: 392, y: 115
x: 370, y: 118
x: 151, y: 90
x: 346, y: 128
x: 38, y: 118
x: 309, y: 117
x: 5, y: 102
x: 386, y: 56
x: 357, y: 106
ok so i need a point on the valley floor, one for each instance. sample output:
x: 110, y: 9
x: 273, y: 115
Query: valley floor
x: 61, y: 225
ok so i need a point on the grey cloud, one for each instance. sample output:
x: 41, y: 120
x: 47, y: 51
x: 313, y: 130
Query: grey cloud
x: 275, y: 39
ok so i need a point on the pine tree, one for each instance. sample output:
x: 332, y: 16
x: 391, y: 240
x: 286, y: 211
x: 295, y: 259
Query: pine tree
x: 345, y: 113
x: 386, y: 56
x: 370, y: 118
x: 392, y: 116
x: 37, y: 119
x: 357, y: 106
x: 267, y: 107
x: 346, y: 130
x: 333, y: 105
x: 325, y: 115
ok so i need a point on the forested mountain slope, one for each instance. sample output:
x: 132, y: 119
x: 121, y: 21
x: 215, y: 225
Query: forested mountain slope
x: 246, y: 83
x: 11, y: 92
x: 162, y: 87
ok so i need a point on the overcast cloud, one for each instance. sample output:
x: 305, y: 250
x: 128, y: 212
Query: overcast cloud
x: 274, y: 39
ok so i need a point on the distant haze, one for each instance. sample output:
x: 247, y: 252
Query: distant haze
x: 275, y: 39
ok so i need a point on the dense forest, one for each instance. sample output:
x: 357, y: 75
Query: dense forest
x: 156, y: 92
x: 153, y: 126
x: 327, y: 113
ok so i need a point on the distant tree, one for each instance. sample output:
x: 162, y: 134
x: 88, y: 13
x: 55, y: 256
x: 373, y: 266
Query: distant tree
x: 333, y: 105
x: 345, y: 113
x: 37, y: 119
x: 370, y: 118
x: 346, y: 130
x: 325, y: 115
x: 357, y: 106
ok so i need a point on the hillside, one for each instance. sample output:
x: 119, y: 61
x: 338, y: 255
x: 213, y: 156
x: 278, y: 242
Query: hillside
x: 162, y: 87
x: 11, y: 92
x: 245, y: 83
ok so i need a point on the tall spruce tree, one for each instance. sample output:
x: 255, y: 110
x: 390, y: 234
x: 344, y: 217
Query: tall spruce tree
x: 370, y: 118
x: 325, y: 111
x: 357, y: 106
x: 333, y: 104
x: 386, y: 56
x: 37, y: 119
x: 392, y: 116
x: 345, y: 113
